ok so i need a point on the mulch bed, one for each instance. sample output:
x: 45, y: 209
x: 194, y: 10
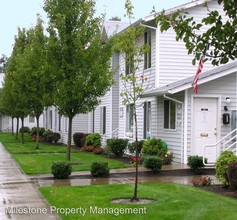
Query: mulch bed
x: 225, y: 191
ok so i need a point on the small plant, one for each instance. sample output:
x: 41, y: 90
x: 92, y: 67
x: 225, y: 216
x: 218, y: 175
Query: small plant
x: 98, y: 150
x: 77, y: 137
x: 33, y: 131
x: 167, y: 158
x: 204, y: 181
x: 24, y: 130
x: 88, y: 148
x: 56, y: 137
x: 93, y: 140
x: 132, y: 146
x: 221, y: 165
x: 117, y: 146
x: 135, y: 160
x: 153, y: 163
x: 154, y: 147
x: 61, y: 169
x: 99, y: 169
x: 196, y: 164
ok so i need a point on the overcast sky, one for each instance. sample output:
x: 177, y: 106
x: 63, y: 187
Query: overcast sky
x: 22, y: 13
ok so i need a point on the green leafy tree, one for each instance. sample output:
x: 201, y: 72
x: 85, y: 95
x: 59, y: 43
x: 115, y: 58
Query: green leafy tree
x: 78, y: 59
x: 15, y: 103
x: 133, y: 85
x: 35, y: 85
x: 220, y: 36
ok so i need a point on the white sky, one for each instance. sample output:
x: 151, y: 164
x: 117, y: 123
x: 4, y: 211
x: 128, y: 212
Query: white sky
x: 22, y: 13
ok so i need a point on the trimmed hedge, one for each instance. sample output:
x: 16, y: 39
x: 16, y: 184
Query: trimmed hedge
x: 61, y: 169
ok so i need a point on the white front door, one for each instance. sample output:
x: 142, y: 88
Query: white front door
x: 205, y: 127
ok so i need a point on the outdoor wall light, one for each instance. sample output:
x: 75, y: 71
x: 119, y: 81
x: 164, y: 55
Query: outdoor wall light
x: 227, y: 101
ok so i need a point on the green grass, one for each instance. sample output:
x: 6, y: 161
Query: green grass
x: 173, y: 202
x: 34, y: 161
x: 41, y: 163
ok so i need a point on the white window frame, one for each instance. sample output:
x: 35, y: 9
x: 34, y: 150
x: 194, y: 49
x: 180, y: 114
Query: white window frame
x: 147, y: 120
x: 170, y: 124
x: 129, y: 120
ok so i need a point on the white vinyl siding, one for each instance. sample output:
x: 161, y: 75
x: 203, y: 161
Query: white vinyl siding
x: 174, y: 62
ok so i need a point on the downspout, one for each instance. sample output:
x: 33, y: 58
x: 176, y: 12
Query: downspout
x: 182, y: 129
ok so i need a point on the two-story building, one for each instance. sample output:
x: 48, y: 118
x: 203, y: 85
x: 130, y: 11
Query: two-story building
x: 169, y: 109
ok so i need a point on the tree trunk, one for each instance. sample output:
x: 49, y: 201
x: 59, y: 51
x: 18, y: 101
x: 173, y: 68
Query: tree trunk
x: 12, y: 125
x: 136, y: 155
x: 17, y: 127
x: 37, y: 133
x: 22, y: 131
x: 69, y: 140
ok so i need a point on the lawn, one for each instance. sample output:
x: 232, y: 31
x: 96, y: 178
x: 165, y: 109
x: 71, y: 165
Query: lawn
x: 173, y: 202
x: 34, y: 161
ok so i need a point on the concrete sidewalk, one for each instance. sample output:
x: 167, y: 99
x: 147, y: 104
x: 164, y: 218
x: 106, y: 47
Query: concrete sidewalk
x: 19, y: 197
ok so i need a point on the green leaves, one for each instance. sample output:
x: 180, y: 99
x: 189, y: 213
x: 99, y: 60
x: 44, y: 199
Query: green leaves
x: 220, y: 35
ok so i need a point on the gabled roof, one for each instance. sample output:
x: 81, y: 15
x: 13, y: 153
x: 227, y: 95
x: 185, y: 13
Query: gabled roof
x: 111, y: 28
x: 186, y: 83
x: 150, y: 19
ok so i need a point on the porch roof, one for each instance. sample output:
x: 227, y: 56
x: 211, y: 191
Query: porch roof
x: 186, y: 83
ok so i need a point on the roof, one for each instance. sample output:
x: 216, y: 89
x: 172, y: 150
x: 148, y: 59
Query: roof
x: 150, y: 19
x: 111, y: 28
x: 186, y: 83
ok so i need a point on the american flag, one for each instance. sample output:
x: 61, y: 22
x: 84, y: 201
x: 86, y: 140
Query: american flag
x: 199, y: 70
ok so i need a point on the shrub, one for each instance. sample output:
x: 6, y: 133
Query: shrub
x: 196, y: 164
x: 33, y: 131
x: 45, y: 135
x: 232, y: 175
x: 56, y: 137
x: 204, y: 181
x: 132, y: 146
x: 77, y: 137
x: 117, y: 146
x: 167, y: 158
x: 154, y: 147
x: 98, y: 150
x: 24, y: 130
x: 221, y: 165
x: 88, y: 148
x: 99, y: 169
x: 93, y: 140
x: 61, y: 169
x: 153, y: 163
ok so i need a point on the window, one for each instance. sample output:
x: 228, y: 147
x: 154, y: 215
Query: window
x: 169, y: 114
x: 51, y: 119
x: 103, y: 120
x: 31, y: 119
x: 129, y: 119
x: 147, y: 120
x: 147, y: 55
x: 129, y: 60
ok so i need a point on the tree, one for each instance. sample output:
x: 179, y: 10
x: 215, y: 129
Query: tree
x: 133, y: 85
x: 217, y: 43
x: 36, y: 85
x: 3, y: 61
x: 14, y: 103
x: 78, y: 60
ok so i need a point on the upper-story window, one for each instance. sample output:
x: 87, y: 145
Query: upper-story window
x: 147, y: 55
x: 129, y: 62
x: 169, y: 114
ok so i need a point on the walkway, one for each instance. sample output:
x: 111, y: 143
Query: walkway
x: 181, y: 174
x: 19, y: 198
